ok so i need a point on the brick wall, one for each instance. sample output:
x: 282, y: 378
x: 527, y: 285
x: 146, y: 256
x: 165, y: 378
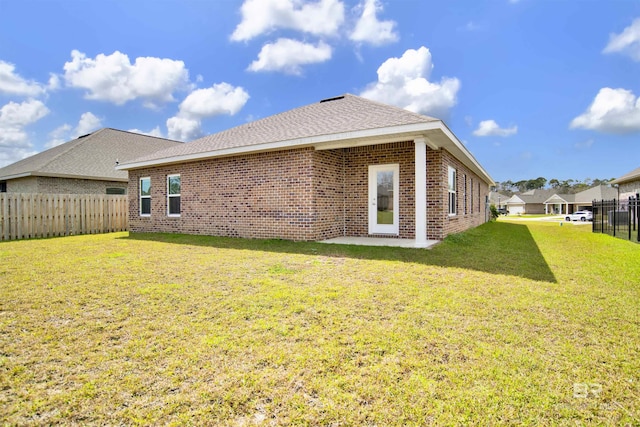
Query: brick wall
x: 23, y: 185
x: 628, y: 189
x: 265, y: 195
x: 300, y: 194
x: 328, y: 189
x: 357, y: 161
x: 53, y: 185
x: 475, y: 214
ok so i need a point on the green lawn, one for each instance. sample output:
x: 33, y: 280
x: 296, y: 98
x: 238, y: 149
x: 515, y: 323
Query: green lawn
x: 507, y: 324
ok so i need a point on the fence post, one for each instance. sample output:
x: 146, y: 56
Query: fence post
x: 637, y: 216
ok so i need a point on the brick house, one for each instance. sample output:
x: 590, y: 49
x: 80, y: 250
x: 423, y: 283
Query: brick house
x: 85, y: 165
x: 344, y: 166
x: 628, y: 184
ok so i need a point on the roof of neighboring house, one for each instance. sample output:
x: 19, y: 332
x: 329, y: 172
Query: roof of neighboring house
x: 561, y: 198
x: 536, y: 196
x: 514, y: 200
x: 600, y: 192
x: 634, y: 175
x: 343, y: 121
x: 92, y: 156
x: 495, y: 197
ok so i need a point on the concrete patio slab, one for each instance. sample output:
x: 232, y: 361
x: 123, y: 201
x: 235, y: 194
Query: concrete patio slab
x: 379, y: 241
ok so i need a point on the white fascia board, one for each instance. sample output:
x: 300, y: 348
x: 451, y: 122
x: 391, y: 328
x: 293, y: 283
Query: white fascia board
x: 319, y: 142
x: 460, y: 146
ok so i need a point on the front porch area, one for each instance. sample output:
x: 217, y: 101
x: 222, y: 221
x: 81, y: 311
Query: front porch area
x: 381, y: 241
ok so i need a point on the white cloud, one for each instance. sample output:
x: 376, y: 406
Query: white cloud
x: 612, y: 111
x: 404, y: 82
x: 288, y: 55
x: 88, y: 123
x: 491, y: 128
x: 627, y: 42
x: 12, y: 84
x: 369, y: 30
x: 14, y: 115
x: 183, y: 129
x: 221, y: 98
x: 115, y: 79
x: 14, y: 118
x: 153, y: 132
x: 321, y: 17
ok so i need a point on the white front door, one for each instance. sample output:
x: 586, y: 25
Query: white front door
x: 384, y: 199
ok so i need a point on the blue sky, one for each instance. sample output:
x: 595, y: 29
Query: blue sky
x: 532, y: 87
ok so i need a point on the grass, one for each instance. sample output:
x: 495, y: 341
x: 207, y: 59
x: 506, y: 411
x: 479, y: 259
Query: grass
x: 509, y: 323
x: 385, y: 217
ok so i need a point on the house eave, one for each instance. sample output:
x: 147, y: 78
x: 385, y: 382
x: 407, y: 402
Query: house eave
x: 16, y: 176
x: 433, y: 133
x: 61, y: 175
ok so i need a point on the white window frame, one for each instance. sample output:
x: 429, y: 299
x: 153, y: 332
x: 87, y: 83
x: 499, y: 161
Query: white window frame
x: 452, y: 178
x: 140, y: 196
x: 169, y: 196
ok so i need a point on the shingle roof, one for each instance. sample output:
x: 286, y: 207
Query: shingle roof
x: 91, y: 156
x: 537, y: 196
x: 600, y: 192
x: 346, y: 113
x: 634, y: 175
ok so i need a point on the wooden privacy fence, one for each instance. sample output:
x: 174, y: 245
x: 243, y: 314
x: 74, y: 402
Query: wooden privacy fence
x: 26, y: 216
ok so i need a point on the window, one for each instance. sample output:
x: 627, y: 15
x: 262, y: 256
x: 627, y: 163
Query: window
x: 464, y: 194
x: 173, y: 195
x: 3, y: 186
x: 471, y: 187
x: 452, y: 191
x: 114, y: 190
x: 145, y: 196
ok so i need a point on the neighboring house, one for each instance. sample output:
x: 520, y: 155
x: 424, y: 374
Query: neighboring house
x: 498, y: 199
x: 529, y: 202
x: 560, y: 204
x: 549, y: 202
x: 628, y: 184
x: 344, y: 166
x: 584, y: 199
x: 85, y: 165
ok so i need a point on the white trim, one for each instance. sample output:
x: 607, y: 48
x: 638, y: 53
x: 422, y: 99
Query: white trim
x: 169, y: 196
x: 374, y: 227
x: 421, y: 191
x: 140, y: 196
x: 450, y: 211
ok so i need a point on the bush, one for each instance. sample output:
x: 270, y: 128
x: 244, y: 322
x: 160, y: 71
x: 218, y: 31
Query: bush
x: 494, y: 212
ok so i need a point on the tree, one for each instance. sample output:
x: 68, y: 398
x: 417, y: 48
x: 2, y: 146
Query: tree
x: 554, y: 183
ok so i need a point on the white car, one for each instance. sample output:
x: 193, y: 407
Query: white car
x: 580, y: 216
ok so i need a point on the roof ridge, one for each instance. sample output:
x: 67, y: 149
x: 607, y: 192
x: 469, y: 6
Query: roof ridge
x: 77, y: 142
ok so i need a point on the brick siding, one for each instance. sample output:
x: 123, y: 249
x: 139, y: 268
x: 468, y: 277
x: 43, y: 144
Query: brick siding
x: 628, y: 189
x: 53, y: 185
x: 299, y: 194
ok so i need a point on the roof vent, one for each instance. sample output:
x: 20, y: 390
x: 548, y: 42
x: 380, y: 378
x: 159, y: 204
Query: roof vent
x: 84, y: 136
x: 332, y: 99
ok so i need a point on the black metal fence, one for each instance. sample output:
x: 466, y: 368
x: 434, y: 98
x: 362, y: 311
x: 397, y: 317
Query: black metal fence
x: 618, y: 218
